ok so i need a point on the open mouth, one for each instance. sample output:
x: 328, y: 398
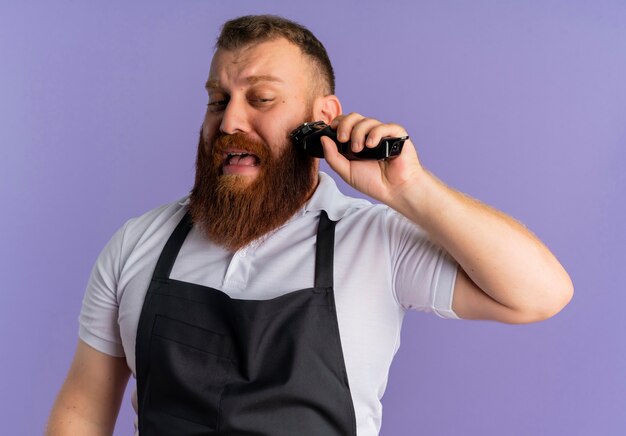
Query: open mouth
x: 241, y: 159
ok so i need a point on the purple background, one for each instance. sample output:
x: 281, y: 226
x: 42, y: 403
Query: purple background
x: 521, y: 104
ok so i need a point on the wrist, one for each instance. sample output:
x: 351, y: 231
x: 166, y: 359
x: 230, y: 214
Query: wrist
x: 419, y: 197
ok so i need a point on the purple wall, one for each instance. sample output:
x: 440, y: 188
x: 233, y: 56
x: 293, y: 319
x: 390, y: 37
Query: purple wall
x: 521, y: 104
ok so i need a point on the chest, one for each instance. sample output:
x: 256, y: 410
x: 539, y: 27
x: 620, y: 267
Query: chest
x: 368, y: 316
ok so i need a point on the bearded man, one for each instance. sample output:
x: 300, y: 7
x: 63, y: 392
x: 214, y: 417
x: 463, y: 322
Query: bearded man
x: 268, y: 303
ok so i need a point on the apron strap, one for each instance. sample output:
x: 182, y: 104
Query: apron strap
x: 172, y: 247
x: 324, y: 252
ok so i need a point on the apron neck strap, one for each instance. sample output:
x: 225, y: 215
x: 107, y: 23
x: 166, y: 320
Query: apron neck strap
x: 172, y: 247
x: 324, y: 252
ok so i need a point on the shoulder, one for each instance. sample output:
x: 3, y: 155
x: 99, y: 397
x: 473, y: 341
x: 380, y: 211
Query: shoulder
x: 357, y: 214
x: 153, y: 221
x: 151, y: 228
x: 329, y: 198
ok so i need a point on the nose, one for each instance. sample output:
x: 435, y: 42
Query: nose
x: 234, y: 118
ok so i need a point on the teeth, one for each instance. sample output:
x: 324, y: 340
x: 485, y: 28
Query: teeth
x: 229, y: 156
x: 240, y: 156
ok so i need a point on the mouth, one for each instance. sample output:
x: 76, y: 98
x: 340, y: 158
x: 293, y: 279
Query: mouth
x: 239, y: 162
x: 241, y: 158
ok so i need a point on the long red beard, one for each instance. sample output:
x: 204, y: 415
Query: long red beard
x: 231, y: 210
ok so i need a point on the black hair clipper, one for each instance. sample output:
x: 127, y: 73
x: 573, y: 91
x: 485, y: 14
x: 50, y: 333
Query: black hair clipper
x: 307, y: 138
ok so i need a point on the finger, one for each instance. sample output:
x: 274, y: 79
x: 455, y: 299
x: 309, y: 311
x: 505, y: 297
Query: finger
x: 382, y: 131
x: 335, y: 160
x: 335, y: 122
x: 360, y: 131
x: 345, y: 125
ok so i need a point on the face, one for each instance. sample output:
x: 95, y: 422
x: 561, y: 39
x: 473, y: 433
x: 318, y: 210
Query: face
x: 261, y: 92
x: 250, y: 179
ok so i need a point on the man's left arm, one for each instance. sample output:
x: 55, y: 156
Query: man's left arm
x: 506, y: 274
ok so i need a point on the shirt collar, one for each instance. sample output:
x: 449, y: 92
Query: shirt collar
x: 328, y: 197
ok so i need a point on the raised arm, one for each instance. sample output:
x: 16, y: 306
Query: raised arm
x: 506, y: 274
x: 90, y: 397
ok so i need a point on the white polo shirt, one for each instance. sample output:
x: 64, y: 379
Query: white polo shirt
x: 384, y: 264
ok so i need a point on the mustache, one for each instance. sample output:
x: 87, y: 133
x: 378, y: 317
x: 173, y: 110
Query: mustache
x: 241, y: 142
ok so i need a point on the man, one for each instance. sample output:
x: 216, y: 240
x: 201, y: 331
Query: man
x: 267, y: 303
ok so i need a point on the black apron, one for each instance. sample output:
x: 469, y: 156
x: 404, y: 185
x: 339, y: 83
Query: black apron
x: 208, y: 364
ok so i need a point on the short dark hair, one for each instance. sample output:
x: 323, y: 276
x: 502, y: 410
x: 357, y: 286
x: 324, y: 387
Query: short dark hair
x: 251, y: 29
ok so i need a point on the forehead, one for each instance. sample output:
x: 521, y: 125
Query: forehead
x: 277, y: 60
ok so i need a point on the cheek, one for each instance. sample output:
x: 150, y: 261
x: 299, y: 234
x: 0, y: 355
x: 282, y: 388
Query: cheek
x: 210, y: 127
x: 275, y: 137
x: 212, y: 119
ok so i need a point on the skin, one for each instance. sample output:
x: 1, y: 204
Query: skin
x: 506, y: 274
x: 262, y: 91
x: 92, y: 393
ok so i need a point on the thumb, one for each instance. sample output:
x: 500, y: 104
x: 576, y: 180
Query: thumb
x: 335, y: 160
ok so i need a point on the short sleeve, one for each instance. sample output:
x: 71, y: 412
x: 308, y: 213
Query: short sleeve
x: 423, y: 273
x: 98, y: 320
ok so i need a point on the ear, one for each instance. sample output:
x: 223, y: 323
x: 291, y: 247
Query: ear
x: 326, y: 108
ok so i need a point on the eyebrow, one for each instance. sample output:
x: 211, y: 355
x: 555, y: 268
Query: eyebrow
x: 215, y: 83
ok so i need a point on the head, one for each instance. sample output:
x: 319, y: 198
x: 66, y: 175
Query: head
x: 268, y: 75
x: 253, y: 29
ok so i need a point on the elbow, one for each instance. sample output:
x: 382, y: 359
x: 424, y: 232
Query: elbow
x: 562, y: 297
x: 554, y: 302
x: 551, y: 289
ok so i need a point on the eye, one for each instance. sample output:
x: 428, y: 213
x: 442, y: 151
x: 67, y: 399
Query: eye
x: 217, y: 105
x: 258, y: 101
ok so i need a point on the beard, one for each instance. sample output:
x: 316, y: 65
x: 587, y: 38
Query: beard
x: 232, y: 210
